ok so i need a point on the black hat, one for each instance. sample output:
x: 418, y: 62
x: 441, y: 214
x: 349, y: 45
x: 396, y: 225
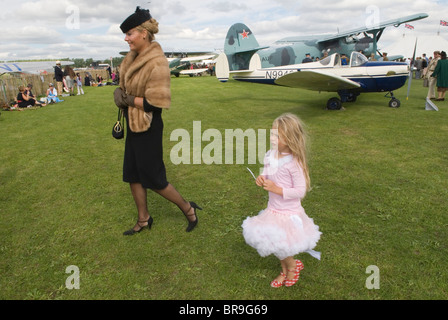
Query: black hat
x: 135, y: 19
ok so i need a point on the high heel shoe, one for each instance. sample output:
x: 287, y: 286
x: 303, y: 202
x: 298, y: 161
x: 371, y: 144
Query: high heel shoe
x: 278, y: 284
x: 131, y: 232
x: 192, y: 224
x: 299, y: 267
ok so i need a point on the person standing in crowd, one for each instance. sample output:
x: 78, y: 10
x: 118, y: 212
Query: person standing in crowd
x: 441, y: 72
x: 58, y: 75
x: 431, y: 80
x: 79, y: 84
x: 143, y: 93
x: 87, y: 80
x: 418, y: 64
x: 307, y: 58
x: 70, y: 79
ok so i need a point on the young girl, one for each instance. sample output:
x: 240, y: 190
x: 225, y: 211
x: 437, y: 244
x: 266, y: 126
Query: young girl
x: 79, y: 84
x: 283, y: 228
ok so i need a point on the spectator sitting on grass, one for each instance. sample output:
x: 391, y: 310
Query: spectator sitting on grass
x: 33, y: 98
x: 52, y: 95
x: 24, y: 100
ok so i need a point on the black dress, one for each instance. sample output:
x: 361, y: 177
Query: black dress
x: 143, y: 155
x: 22, y: 102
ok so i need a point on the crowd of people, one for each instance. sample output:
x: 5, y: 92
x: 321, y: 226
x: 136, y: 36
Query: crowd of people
x: 66, y: 81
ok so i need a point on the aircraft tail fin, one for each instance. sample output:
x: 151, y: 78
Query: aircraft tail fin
x: 223, y: 71
x: 239, y: 47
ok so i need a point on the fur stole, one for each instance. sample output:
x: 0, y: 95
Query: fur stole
x: 146, y: 75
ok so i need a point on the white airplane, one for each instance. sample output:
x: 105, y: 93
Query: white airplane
x: 180, y: 66
x: 329, y: 74
x: 180, y: 62
x: 38, y: 67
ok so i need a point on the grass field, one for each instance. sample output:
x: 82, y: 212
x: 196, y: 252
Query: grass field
x: 380, y: 196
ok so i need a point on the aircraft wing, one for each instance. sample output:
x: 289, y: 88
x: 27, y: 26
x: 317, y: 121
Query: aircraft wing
x: 379, y: 26
x: 199, y: 58
x: 193, y: 71
x: 317, y: 81
x: 37, y: 67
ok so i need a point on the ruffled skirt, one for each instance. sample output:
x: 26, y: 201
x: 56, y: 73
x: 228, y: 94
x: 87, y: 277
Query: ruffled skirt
x: 281, y: 234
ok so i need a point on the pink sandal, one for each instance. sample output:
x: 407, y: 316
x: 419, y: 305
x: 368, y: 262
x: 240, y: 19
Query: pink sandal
x: 299, y: 267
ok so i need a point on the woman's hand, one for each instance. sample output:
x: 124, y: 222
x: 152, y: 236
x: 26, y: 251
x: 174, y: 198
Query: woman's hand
x: 123, y: 100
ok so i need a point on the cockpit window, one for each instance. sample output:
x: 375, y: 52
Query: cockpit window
x: 358, y: 59
x: 325, y: 61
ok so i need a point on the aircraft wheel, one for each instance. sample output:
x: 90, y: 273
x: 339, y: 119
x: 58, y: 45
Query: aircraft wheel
x: 334, y: 104
x: 394, y: 103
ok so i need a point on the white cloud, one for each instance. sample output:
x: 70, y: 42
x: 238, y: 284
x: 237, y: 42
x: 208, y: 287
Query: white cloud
x: 38, y: 28
x: 31, y: 35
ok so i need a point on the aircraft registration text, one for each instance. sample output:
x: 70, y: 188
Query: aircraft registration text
x: 275, y: 74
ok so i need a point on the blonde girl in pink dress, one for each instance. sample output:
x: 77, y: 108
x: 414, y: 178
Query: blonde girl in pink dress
x: 283, y: 228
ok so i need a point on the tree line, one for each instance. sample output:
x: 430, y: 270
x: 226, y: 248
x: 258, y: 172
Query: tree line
x: 85, y: 63
x: 81, y: 63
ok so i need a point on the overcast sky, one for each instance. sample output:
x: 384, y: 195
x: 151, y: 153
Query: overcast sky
x: 47, y: 29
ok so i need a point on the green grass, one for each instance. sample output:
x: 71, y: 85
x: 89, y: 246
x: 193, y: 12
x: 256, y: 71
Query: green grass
x: 379, y: 178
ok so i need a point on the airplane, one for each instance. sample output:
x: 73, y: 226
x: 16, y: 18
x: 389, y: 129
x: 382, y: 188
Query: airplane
x: 282, y: 63
x: 33, y: 67
x: 329, y: 74
x: 240, y: 44
x: 180, y: 66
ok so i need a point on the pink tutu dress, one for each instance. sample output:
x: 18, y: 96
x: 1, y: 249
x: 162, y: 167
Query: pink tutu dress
x: 283, y: 228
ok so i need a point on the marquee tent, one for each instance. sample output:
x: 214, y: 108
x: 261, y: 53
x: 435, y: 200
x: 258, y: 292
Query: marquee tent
x: 427, y: 44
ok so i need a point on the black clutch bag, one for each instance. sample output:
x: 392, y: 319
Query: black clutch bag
x: 118, y: 130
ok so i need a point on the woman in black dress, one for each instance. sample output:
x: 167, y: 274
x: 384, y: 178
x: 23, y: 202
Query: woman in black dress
x: 144, y: 91
x: 26, y: 99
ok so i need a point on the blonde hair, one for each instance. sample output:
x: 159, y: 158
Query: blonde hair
x: 291, y: 131
x: 152, y: 26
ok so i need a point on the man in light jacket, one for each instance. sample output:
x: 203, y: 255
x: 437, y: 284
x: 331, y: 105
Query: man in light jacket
x: 432, y: 82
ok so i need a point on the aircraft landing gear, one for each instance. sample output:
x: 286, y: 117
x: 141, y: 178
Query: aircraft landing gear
x: 346, y: 96
x: 394, y: 102
x: 334, y: 104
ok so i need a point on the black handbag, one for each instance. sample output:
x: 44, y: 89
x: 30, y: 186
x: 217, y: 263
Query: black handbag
x: 118, y: 130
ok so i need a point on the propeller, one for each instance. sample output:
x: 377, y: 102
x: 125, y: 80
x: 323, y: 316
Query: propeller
x: 410, y: 71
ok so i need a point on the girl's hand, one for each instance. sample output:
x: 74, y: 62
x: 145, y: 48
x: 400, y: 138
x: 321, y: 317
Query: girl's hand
x: 270, y: 186
x: 260, y: 181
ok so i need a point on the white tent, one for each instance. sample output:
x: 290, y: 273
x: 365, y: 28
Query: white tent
x: 427, y: 44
